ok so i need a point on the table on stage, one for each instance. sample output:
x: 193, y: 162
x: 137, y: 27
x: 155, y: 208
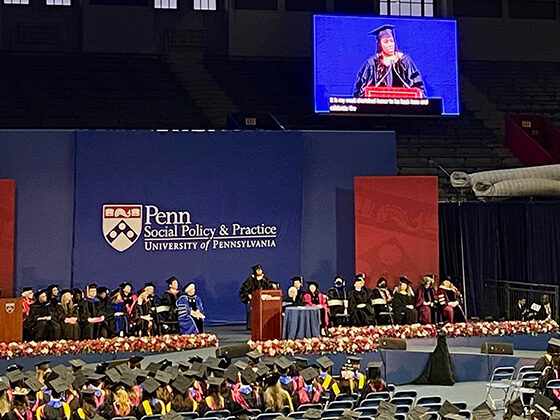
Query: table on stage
x: 301, y: 322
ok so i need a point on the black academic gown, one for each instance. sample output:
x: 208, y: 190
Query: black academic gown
x: 170, y: 299
x: 69, y: 331
x: 381, y: 294
x: 404, y: 315
x: 359, y: 308
x: 90, y: 308
x: 248, y: 287
x: 147, y: 307
x: 42, y: 329
x: 338, y: 297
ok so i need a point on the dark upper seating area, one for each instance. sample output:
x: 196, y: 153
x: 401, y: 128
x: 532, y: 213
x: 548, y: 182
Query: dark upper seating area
x: 92, y: 91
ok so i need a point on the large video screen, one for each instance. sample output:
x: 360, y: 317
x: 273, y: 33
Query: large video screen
x: 385, y: 65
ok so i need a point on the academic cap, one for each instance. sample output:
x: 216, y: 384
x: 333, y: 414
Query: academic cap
x: 14, y: 367
x: 122, y: 369
x: 256, y: 267
x: 135, y: 359
x: 269, y: 361
x: 313, y: 283
x: 374, y: 365
x: 404, y: 280
x: 383, y: 31
x: 349, y: 414
x: 301, y: 362
x: 309, y: 374
x: 241, y: 364
x: 215, y: 380
x: 281, y: 417
x: 283, y: 362
x: 4, y: 386
x: 113, y: 375
x: 195, y: 358
x: 542, y: 403
x: 453, y: 416
x: 79, y: 381
x: 182, y: 384
x: 553, y: 346
x: 212, y: 362
x: 170, y: 280
x: 483, y: 412
x: 41, y: 365
x: 254, y: 354
x: 324, y: 362
x: 163, y: 364
x: 312, y: 413
x: 162, y: 377
x: 555, y: 415
x: 262, y: 369
x: 387, y: 408
x: 153, y: 368
x: 60, y: 385
x: 249, y: 376
x: 172, y: 371
x: 33, y: 384
x: 297, y: 278
x: 15, y: 376
x: 140, y: 373
x: 354, y: 359
x: 448, y: 408
x: 272, y: 379
x: 150, y: 385
x: 77, y: 363
x: 172, y: 415
x: 127, y: 379
x: 114, y: 363
x: 184, y: 365
x: 417, y: 413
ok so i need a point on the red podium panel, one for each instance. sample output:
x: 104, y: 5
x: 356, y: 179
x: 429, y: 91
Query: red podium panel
x: 393, y: 92
x: 266, y: 315
x: 11, y: 319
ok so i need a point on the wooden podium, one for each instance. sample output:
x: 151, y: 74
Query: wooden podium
x: 11, y: 319
x: 266, y: 315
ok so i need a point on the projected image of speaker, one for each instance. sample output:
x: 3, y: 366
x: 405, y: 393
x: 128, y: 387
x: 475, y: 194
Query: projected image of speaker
x: 497, y: 348
x: 392, y: 344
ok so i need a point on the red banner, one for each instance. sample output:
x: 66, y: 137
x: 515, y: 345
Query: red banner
x: 7, y: 226
x: 396, y: 227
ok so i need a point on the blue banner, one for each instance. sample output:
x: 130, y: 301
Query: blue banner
x: 203, y: 207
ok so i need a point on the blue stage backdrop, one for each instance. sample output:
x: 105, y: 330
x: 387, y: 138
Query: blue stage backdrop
x: 342, y: 45
x: 203, y: 207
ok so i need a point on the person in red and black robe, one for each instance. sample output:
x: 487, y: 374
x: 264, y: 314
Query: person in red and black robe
x: 311, y: 392
x: 426, y: 301
x: 313, y: 297
x: 449, y: 299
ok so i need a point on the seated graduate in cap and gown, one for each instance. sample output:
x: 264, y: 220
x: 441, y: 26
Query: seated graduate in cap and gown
x: 388, y: 67
x: 92, y: 320
x: 375, y: 382
x: 359, y: 304
x: 145, y: 312
x: 311, y: 390
x: 403, y: 304
x: 256, y: 281
x: 67, y: 314
x: 381, y: 299
x: 313, y: 297
x: 246, y: 395
x: 426, y: 301
x: 190, y: 311
x: 169, y: 300
x: 42, y: 319
x: 450, y: 300
x: 338, y: 302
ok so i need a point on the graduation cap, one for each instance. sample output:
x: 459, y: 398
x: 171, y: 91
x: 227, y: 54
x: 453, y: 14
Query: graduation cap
x: 301, y: 362
x: 417, y: 413
x: 79, y: 381
x: 349, y: 414
x: 114, y: 363
x: 124, y: 368
x: 153, y: 368
x: 553, y: 346
x: 172, y: 371
x: 172, y: 415
x: 281, y: 417
x: 249, y: 376
x: 150, y: 385
x: 165, y: 363
x: 387, y: 408
x: 33, y: 384
x: 212, y: 362
x: 215, y: 380
x: 127, y: 379
x: 184, y: 365
x: 309, y: 374
x: 15, y: 376
x: 182, y: 384
x: 113, y: 375
x: 256, y: 267
x: 483, y: 412
x: 269, y: 361
x: 262, y: 369
x: 448, y: 408
x: 542, y: 403
x: 77, y: 363
x: 44, y: 365
x: 171, y: 280
x: 515, y: 407
x: 254, y: 354
x: 404, y: 280
x: 312, y: 413
x: 375, y: 364
x: 241, y: 364
x: 3, y: 386
x: 354, y: 360
x: 272, y: 379
x: 555, y: 415
x: 59, y: 385
x: 163, y: 377
x: 93, y: 376
x: 232, y: 373
x: 135, y: 359
x: 283, y: 363
x: 297, y: 278
x: 383, y: 31
x: 324, y: 362
x: 140, y: 373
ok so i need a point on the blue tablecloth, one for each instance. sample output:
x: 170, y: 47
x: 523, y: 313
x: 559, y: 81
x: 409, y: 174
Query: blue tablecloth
x: 301, y: 322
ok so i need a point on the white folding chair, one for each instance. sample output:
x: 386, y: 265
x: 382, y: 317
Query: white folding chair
x: 500, y: 382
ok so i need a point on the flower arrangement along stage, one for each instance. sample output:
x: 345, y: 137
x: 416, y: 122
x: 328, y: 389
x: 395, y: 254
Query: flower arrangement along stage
x: 365, y: 339
x: 163, y: 343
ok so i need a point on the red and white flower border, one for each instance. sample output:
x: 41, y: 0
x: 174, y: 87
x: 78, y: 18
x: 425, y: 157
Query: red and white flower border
x: 365, y: 339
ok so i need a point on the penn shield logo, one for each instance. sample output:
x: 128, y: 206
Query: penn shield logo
x: 122, y: 225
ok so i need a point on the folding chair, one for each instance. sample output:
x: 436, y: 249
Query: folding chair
x: 517, y: 382
x: 500, y: 381
x: 268, y: 416
x: 189, y: 415
x: 370, y: 403
x: 432, y: 408
x: 403, y: 409
x: 400, y: 416
x: 406, y: 394
x: 391, y: 388
x: 340, y: 404
x: 525, y: 386
x: 305, y: 407
x: 154, y: 417
x: 429, y: 399
x: 466, y: 414
x: 404, y: 401
x: 378, y: 396
x: 220, y: 414
x: 346, y: 397
x: 124, y: 418
x: 328, y: 414
x: 298, y: 415
x: 367, y: 411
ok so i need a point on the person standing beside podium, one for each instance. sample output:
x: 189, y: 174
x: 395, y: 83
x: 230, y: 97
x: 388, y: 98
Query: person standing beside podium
x: 256, y: 281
